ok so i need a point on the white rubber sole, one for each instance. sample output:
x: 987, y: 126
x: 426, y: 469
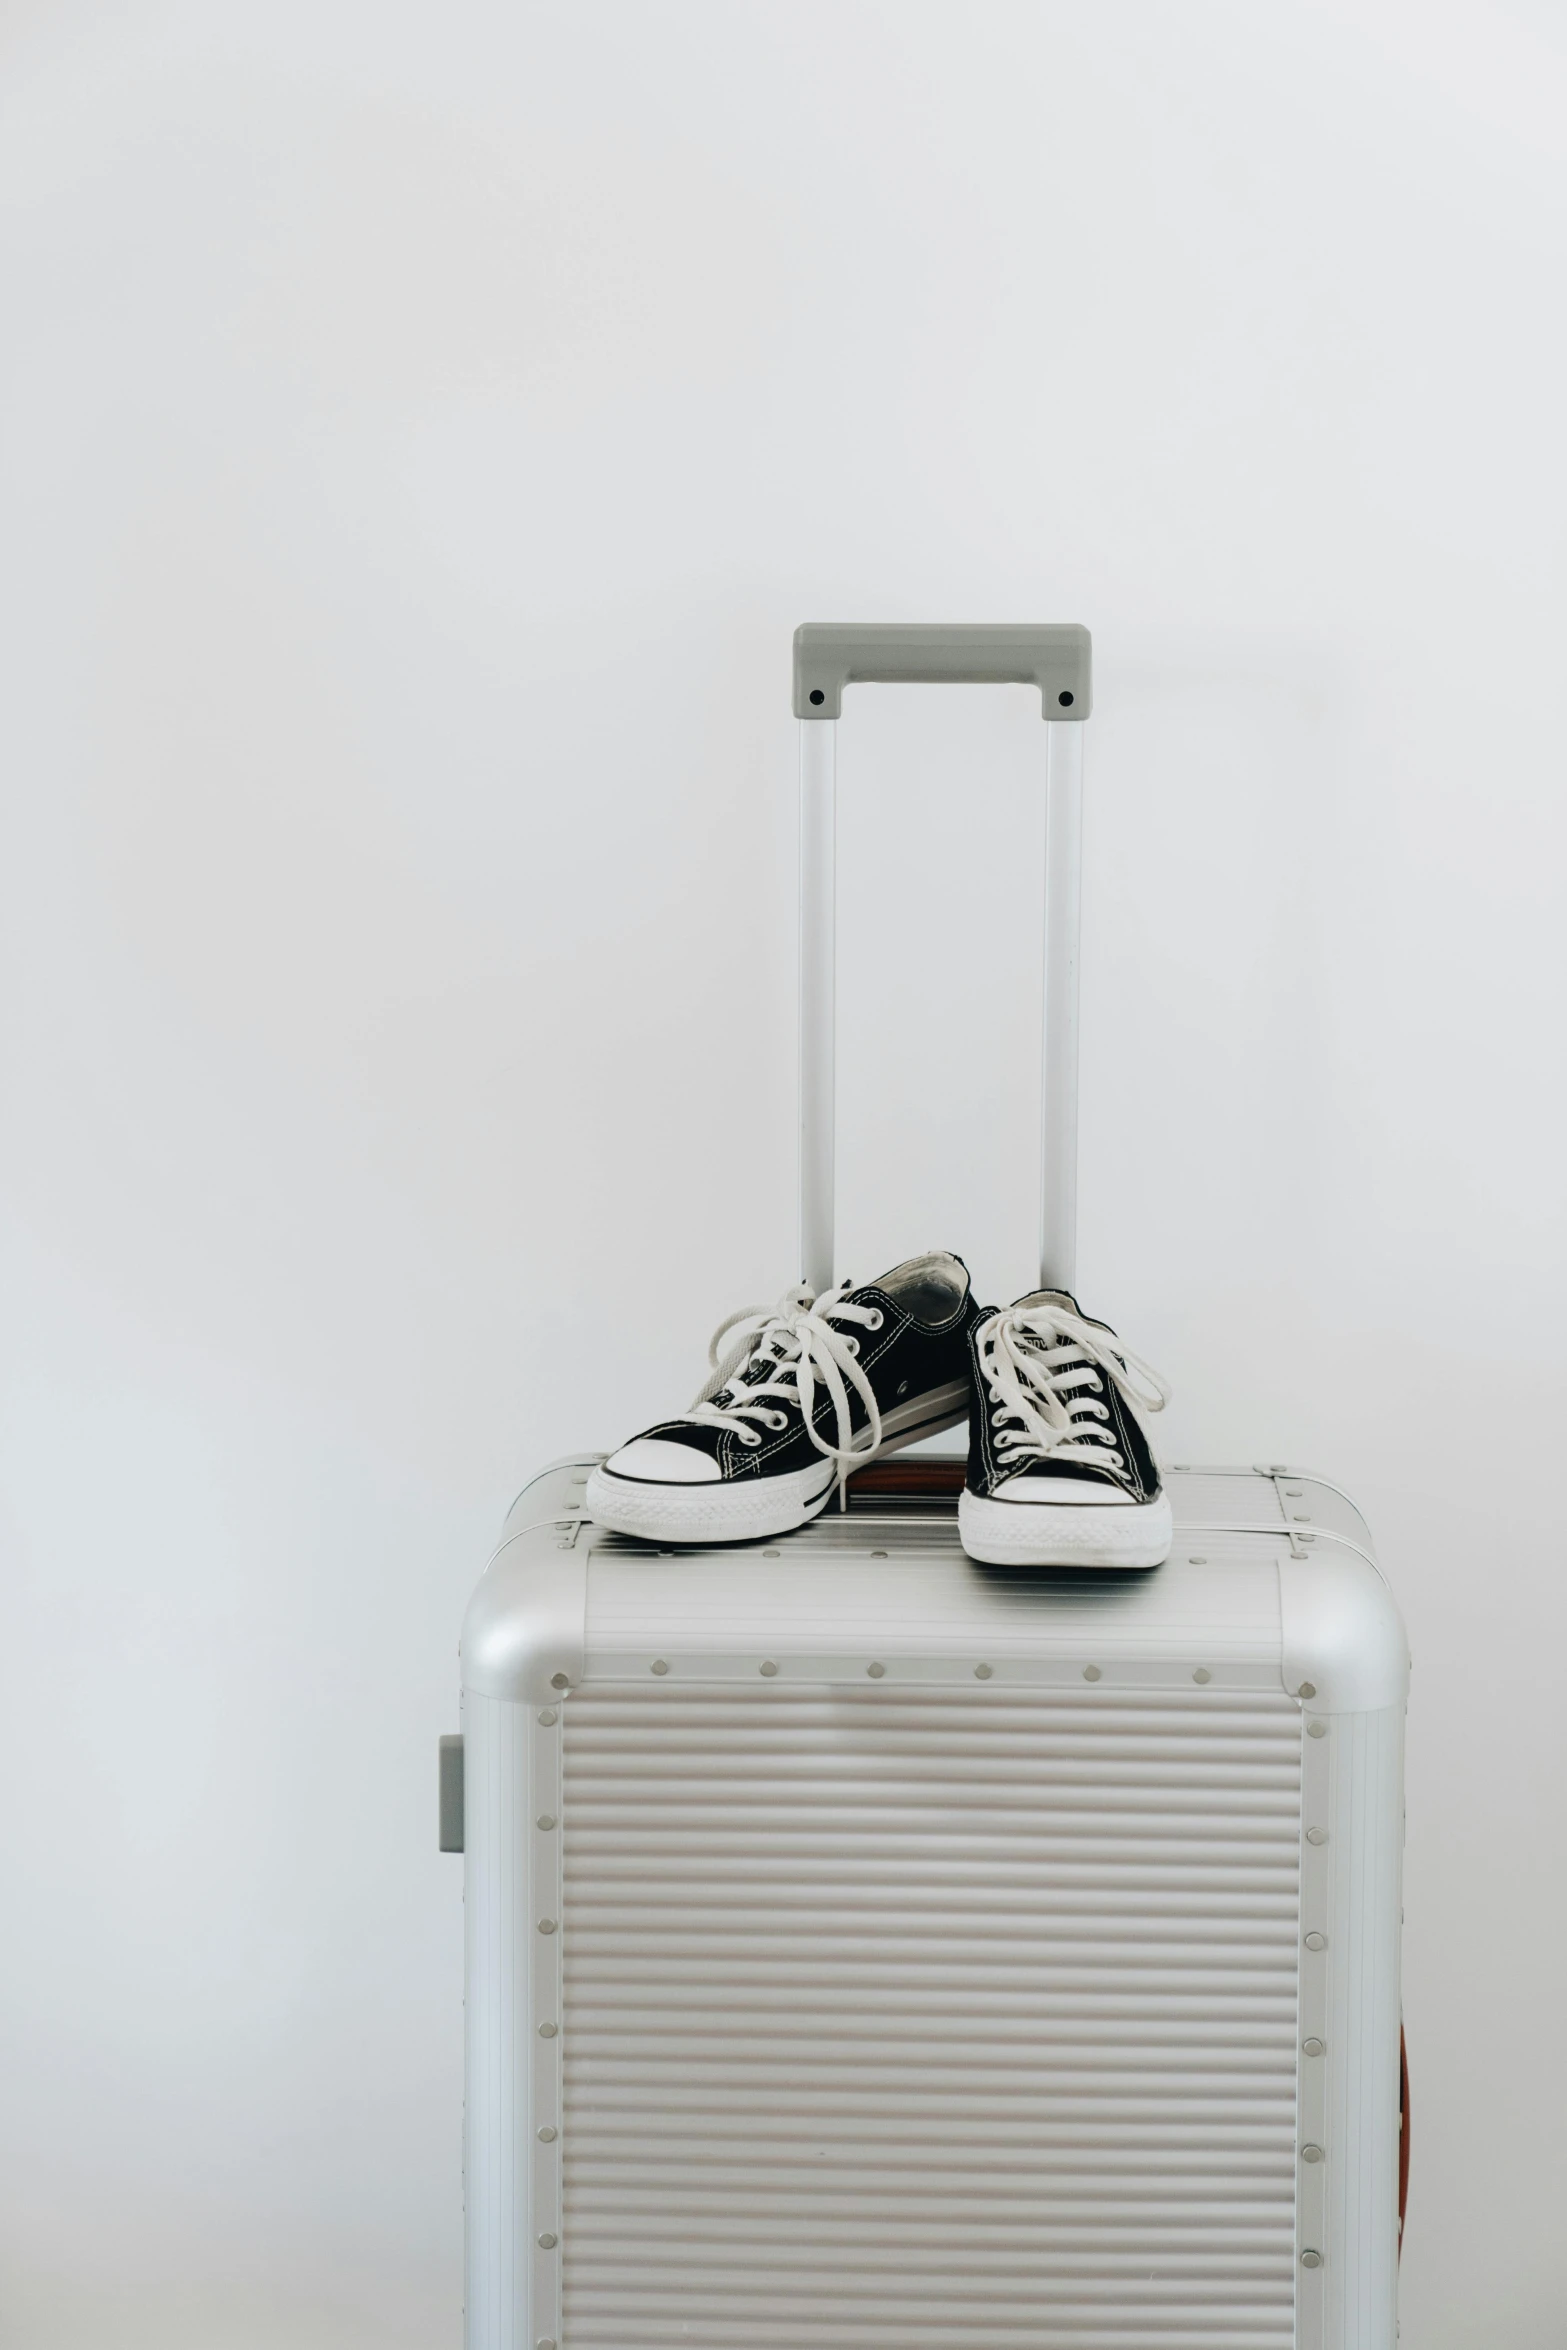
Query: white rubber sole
x: 750, y: 1508
x: 1046, y: 1534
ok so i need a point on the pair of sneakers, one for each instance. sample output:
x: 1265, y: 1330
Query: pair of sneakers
x: 1060, y: 1470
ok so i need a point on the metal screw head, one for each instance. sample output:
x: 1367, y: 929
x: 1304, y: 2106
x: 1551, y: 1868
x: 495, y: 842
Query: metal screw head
x: 546, y: 2136
x: 1311, y: 2154
x: 983, y: 1672
x: 1307, y: 1689
x: 1091, y: 1673
x: 768, y: 1669
x: 546, y: 1925
x: 1314, y: 2047
x: 548, y: 2241
x: 548, y: 2031
x: 1316, y: 1835
x: 1202, y: 1674
x: 546, y: 1820
x: 1311, y: 2260
x: 1315, y: 1941
x: 659, y: 1665
x: 876, y: 1671
x: 1316, y: 1729
x: 560, y: 1680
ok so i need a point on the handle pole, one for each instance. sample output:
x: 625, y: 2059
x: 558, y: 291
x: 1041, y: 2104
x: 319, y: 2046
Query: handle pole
x: 1063, y: 925
x: 818, y: 952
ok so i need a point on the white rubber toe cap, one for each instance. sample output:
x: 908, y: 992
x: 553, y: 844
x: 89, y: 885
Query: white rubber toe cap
x: 653, y: 1460
x: 1064, y: 1493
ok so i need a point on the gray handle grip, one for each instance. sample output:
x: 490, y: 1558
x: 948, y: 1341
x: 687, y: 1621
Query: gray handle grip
x: 830, y: 654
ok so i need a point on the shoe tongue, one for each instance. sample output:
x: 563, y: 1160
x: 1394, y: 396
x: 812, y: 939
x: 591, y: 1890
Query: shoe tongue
x: 1051, y: 1297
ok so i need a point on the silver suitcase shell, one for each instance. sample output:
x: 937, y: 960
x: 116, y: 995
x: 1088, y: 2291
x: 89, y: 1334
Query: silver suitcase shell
x: 868, y: 1949
x: 865, y: 1948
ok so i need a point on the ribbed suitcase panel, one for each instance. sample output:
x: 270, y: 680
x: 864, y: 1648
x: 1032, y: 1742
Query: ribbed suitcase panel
x: 900, y: 2017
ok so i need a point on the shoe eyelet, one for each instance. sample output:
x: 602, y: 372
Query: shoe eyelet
x: 875, y: 1319
x: 751, y: 1441
x: 851, y: 1346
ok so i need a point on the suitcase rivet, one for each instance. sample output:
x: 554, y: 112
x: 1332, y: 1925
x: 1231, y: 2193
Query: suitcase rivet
x: 878, y: 1554
x: 1065, y: 700
x: 548, y: 2031
x: 768, y: 1669
x: 983, y: 1672
x: 545, y: 2342
x: 1202, y: 1674
x: 1307, y: 1689
x: 1311, y: 2260
x: 1314, y: 2047
x: 1311, y: 2154
x: 1202, y: 1562
x: 876, y: 1671
x: 1091, y: 1673
x: 1316, y: 1729
x: 560, y: 1680
x: 546, y: 2136
x: 546, y: 1819
x: 549, y: 1717
x: 817, y: 697
x: 546, y: 1925
x: 1278, y: 1469
x: 659, y: 1665
x: 1316, y: 1941
x: 771, y: 1554
x: 1316, y: 1835
x: 548, y: 2242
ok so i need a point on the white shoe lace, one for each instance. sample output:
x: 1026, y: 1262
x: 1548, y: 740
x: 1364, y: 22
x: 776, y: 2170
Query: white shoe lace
x: 797, y: 1338
x: 1045, y: 1369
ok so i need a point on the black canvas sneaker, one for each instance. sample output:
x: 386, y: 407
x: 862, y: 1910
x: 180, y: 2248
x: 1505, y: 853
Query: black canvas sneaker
x: 1060, y: 1472
x: 804, y: 1395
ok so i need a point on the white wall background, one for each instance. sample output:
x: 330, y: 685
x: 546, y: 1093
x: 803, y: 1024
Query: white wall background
x: 423, y: 427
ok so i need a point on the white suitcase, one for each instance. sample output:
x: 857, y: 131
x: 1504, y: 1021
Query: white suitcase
x: 868, y: 1949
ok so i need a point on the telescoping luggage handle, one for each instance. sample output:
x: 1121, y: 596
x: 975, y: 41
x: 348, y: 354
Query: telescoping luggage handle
x: 828, y: 656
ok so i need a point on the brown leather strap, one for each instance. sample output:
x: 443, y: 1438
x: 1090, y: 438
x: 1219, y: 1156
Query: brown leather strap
x: 933, y: 1477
